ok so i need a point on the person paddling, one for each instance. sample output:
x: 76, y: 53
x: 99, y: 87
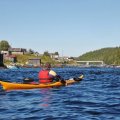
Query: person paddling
x: 46, y: 75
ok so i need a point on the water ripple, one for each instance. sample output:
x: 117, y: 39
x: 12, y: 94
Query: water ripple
x: 97, y: 97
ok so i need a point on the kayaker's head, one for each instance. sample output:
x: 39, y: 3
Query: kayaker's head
x: 47, y: 66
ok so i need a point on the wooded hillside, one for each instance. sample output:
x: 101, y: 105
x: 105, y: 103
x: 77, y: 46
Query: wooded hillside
x: 110, y: 56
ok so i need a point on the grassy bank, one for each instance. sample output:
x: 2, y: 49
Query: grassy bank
x: 23, y: 59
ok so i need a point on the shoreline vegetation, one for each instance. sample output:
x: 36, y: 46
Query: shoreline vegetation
x: 21, y: 56
x: 22, y: 61
x: 110, y: 56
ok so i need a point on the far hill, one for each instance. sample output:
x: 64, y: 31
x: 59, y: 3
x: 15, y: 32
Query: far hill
x: 110, y: 56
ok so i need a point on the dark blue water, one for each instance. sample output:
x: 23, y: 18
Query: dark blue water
x: 97, y: 97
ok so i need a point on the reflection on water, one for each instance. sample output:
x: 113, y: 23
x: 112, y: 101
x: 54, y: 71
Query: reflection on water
x: 97, y: 97
x: 46, y: 97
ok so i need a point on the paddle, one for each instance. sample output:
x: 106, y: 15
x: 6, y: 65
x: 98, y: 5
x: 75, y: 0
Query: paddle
x: 78, y: 78
x: 56, y: 79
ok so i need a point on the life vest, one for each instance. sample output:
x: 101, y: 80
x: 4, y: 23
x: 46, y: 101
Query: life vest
x: 44, y: 76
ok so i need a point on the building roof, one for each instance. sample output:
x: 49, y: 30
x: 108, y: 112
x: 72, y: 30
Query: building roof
x: 17, y: 49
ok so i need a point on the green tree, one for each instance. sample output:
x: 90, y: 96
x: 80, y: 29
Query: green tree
x: 56, y: 53
x: 110, y: 56
x: 46, y: 53
x: 31, y: 51
x: 4, y: 45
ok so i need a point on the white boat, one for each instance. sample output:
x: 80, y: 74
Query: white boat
x: 12, y: 67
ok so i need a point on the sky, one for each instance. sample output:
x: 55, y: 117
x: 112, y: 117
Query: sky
x: 69, y: 27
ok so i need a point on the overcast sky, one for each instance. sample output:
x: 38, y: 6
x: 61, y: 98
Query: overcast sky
x: 70, y: 27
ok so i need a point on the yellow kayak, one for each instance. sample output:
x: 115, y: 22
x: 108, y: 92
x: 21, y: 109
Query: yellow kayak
x: 19, y: 86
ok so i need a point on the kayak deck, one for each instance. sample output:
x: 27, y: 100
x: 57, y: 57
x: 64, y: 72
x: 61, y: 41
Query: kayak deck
x: 18, y: 86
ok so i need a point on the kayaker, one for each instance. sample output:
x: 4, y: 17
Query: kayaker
x: 46, y: 75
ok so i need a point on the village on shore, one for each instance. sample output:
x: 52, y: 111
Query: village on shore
x: 20, y: 57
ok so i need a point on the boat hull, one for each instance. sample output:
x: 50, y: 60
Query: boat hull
x: 19, y: 86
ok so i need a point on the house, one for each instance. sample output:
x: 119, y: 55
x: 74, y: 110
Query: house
x: 19, y: 51
x: 5, y: 52
x: 54, y: 56
x: 11, y: 58
x: 34, y: 61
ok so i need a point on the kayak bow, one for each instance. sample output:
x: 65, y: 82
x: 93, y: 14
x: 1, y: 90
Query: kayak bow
x: 19, y: 86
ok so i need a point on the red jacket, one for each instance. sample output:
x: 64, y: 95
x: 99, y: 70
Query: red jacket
x: 44, y: 76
